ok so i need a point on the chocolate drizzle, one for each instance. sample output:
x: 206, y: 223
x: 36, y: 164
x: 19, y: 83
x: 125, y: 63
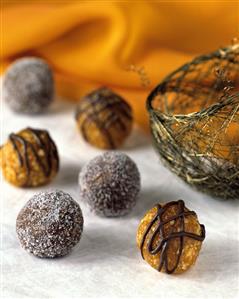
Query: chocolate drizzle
x: 22, y: 147
x: 99, y: 101
x: 163, y: 246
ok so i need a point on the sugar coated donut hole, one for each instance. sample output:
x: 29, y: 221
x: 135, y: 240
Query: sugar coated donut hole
x: 28, y: 85
x: 110, y: 184
x: 50, y: 224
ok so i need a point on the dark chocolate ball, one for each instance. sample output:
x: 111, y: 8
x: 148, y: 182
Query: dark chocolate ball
x: 28, y: 85
x: 110, y: 184
x: 50, y: 224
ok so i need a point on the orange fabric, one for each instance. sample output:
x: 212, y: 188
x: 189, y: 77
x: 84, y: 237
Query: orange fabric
x: 92, y: 43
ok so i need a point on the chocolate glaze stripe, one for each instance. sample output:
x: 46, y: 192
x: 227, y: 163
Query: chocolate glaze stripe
x: 165, y: 240
x: 113, y: 116
x: 21, y: 158
x: 54, y: 152
x: 49, y: 151
x: 109, y: 102
x: 46, y: 147
x: 93, y: 97
x: 187, y: 213
x: 37, y: 135
x: 93, y: 116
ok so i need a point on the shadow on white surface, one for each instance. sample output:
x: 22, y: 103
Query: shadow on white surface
x: 67, y: 176
x: 60, y: 106
x: 138, y: 139
x: 101, y: 245
x: 215, y: 261
x: 148, y: 198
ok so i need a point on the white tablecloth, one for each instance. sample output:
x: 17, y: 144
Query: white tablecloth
x: 106, y: 262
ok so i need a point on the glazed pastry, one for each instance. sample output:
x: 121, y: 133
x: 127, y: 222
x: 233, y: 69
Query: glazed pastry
x: 29, y: 158
x: 170, y: 237
x: 104, y: 119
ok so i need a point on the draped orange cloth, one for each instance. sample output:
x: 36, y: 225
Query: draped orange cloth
x: 94, y: 43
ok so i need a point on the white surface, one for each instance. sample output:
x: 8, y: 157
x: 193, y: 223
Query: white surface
x: 106, y: 262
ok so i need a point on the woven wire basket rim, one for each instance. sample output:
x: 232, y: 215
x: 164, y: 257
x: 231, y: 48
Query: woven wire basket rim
x: 210, y: 169
x: 161, y: 88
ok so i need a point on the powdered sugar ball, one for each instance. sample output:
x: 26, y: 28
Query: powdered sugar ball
x: 50, y: 224
x: 110, y: 184
x: 28, y: 85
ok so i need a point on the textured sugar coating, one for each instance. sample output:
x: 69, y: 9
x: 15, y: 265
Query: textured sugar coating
x: 50, y: 224
x: 104, y: 118
x: 110, y: 184
x: 170, y: 243
x: 28, y: 85
x: 29, y: 158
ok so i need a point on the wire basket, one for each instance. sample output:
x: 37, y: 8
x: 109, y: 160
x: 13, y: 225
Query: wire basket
x: 194, y: 117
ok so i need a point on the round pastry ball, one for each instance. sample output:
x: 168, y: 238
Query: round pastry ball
x: 170, y: 237
x: 29, y: 158
x: 28, y: 85
x: 110, y: 184
x: 104, y: 119
x: 50, y: 224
